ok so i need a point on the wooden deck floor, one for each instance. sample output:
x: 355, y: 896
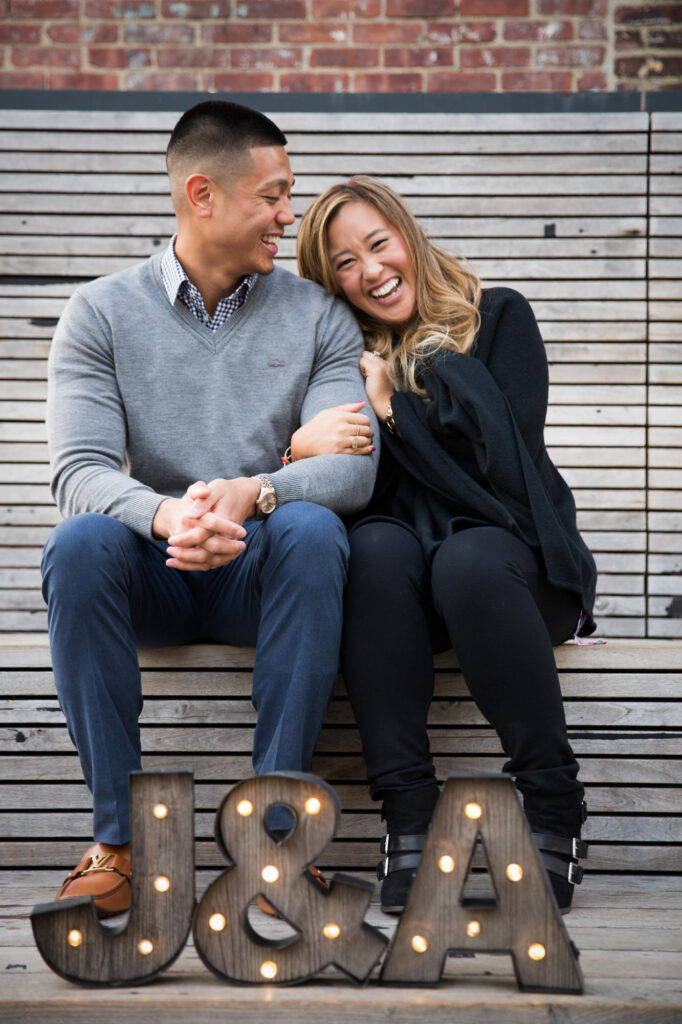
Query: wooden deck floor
x: 629, y: 932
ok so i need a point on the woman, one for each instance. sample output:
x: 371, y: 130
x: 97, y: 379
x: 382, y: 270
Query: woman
x: 470, y: 540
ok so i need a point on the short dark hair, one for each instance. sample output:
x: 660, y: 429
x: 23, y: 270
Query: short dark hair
x: 219, y: 126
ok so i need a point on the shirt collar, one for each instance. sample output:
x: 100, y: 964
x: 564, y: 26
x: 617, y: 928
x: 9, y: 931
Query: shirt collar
x: 173, y: 274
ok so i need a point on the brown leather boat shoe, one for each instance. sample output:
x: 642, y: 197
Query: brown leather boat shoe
x: 103, y: 873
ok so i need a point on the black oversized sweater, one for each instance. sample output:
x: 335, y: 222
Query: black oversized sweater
x: 474, y: 453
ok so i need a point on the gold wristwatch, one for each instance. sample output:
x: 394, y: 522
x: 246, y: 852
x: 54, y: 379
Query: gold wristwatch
x: 266, y: 502
x: 389, y: 422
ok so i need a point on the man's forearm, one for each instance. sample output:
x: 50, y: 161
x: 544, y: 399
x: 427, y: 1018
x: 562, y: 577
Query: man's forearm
x: 342, y: 483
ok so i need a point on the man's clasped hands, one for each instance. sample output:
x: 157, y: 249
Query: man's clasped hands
x: 205, y: 528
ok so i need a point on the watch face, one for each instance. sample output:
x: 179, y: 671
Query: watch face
x: 267, y: 502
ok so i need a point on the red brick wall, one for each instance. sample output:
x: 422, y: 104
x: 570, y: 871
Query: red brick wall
x: 341, y: 45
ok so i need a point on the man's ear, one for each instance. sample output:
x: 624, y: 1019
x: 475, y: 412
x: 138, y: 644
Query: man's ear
x: 200, y: 192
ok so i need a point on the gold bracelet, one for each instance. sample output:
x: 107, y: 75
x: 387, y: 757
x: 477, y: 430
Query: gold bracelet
x: 389, y: 422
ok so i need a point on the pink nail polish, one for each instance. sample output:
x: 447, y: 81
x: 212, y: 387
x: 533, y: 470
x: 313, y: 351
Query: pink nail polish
x: 373, y: 448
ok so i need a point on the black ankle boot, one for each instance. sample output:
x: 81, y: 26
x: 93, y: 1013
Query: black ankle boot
x: 407, y: 813
x: 557, y: 837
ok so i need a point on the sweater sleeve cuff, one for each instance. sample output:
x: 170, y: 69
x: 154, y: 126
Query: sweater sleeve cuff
x: 288, y: 486
x: 139, y: 512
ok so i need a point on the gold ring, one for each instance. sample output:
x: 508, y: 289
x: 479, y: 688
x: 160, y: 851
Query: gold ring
x: 354, y: 443
x: 357, y: 430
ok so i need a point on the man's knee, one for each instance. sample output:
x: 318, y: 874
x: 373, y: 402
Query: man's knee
x: 80, y: 547
x: 310, y: 531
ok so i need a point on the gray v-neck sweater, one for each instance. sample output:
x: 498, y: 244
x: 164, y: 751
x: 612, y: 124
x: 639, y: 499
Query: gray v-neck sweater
x: 143, y: 400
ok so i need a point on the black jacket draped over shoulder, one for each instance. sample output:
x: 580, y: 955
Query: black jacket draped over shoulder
x: 474, y: 453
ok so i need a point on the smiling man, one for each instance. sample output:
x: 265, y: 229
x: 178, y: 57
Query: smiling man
x: 174, y: 389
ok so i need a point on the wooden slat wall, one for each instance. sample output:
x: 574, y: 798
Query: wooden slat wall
x: 555, y: 205
x: 623, y: 706
x: 664, y: 581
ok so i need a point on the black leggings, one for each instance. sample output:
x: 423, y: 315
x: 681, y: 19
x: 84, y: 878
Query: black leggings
x: 486, y: 596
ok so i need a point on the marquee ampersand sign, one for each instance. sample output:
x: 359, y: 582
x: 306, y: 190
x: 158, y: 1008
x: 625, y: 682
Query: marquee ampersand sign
x: 329, y: 925
x: 68, y: 934
x: 524, y: 919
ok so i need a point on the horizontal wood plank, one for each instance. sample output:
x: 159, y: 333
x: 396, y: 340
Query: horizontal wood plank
x: 633, y: 829
x: 339, y: 740
x: 326, y: 141
x: 340, y: 770
x: 64, y: 796
x: 386, y: 162
x: 625, y: 655
x: 163, y: 121
x: 443, y: 712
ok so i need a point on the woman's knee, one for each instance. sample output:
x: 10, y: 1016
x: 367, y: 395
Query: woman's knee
x: 384, y: 557
x: 475, y: 565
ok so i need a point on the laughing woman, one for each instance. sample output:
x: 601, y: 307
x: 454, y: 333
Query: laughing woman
x: 470, y: 540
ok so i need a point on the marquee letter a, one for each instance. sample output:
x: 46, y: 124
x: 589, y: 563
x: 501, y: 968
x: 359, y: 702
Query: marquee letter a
x: 524, y: 919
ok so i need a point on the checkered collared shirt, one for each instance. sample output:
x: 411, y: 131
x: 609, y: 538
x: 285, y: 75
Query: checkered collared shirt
x: 179, y: 286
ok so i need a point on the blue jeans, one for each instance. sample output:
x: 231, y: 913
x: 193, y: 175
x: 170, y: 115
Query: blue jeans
x: 109, y: 592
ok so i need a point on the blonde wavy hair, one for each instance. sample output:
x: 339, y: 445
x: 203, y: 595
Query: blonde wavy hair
x: 447, y: 291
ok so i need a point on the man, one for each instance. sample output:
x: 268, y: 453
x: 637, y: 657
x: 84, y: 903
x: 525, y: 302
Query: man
x: 197, y: 366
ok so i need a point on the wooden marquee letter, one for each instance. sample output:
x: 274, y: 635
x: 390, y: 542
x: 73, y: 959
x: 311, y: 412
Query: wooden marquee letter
x: 68, y: 934
x: 329, y: 925
x: 525, y: 920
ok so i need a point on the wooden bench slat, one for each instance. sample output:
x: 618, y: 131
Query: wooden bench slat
x: 311, y: 184
x: 190, y: 711
x: 623, y: 655
x: 542, y: 294
x: 90, y: 141
x: 84, y: 223
x: 229, y: 683
x: 464, y: 739
x: 340, y: 770
x: 53, y: 853
x: 31, y: 625
x: 473, y: 248
x: 632, y: 829
x: 163, y: 121
x: 414, y: 160
x: 491, y: 269
x: 453, y: 205
x: 665, y: 184
x: 74, y: 796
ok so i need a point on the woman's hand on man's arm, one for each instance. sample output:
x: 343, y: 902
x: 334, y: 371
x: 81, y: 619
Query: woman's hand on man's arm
x: 379, y: 388
x: 341, y: 430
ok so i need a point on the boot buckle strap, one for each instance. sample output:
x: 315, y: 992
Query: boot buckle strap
x: 402, y: 844
x: 570, y: 846
x: 575, y: 873
x: 569, y: 870
x: 580, y: 848
x: 396, y: 862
